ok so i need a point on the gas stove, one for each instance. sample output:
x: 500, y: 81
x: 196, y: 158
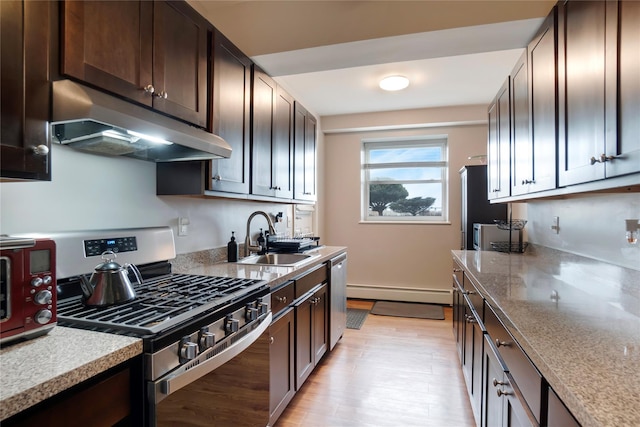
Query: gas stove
x: 162, y: 303
x: 190, y: 325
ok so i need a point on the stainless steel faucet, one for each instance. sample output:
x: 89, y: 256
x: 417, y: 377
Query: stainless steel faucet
x: 248, y: 247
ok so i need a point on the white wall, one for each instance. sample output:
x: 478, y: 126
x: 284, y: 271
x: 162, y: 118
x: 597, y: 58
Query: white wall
x: 406, y: 262
x: 93, y: 192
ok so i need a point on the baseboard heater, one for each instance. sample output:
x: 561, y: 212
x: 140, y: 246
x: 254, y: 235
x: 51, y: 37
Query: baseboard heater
x: 393, y: 293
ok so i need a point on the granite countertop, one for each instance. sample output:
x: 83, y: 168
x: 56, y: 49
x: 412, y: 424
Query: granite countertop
x: 275, y: 275
x: 585, y: 342
x: 34, y: 370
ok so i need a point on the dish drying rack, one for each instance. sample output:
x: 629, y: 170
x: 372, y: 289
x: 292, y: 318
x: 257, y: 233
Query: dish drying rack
x: 510, y: 246
x: 291, y: 244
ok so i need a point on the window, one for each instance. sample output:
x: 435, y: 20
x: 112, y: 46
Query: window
x: 405, y: 180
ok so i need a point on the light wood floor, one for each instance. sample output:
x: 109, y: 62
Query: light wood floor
x: 395, y: 372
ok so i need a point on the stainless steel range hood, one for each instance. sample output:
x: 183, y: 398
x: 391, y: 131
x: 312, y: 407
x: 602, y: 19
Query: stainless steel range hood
x: 93, y: 121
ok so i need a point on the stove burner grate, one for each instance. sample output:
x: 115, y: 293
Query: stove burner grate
x: 160, y: 303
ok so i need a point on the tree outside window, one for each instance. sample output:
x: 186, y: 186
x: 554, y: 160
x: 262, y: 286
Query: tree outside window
x: 405, y: 180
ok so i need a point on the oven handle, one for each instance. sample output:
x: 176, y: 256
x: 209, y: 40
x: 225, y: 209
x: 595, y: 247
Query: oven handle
x: 182, y: 377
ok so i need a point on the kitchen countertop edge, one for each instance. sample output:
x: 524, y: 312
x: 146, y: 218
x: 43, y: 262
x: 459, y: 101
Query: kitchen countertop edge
x: 586, y: 415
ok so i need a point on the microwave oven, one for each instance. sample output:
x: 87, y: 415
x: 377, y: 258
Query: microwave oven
x: 484, y: 234
x: 27, y: 288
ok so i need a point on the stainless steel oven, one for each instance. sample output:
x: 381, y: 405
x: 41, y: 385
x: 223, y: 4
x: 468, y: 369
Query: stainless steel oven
x: 205, y: 338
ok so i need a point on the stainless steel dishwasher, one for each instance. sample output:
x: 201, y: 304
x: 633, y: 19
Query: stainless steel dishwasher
x: 338, y: 295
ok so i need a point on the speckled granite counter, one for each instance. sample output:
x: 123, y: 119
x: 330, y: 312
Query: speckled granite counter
x: 586, y: 343
x: 34, y: 370
x: 275, y: 275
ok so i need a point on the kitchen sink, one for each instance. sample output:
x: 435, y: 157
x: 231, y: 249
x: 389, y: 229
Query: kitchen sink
x: 275, y: 259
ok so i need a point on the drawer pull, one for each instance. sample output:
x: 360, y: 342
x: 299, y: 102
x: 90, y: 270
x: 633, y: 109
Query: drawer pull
x: 502, y: 393
x: 502, y: 343
x: 496, y: 383
x: 281, y: 299
x: 469, y: 292
x: 457, y: 270
x: 471, y: 319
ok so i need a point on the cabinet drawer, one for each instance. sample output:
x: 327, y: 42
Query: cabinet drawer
x: 525, y: 375
x: 475, y: 297
x: 312, y: 278
x: 282, y: 297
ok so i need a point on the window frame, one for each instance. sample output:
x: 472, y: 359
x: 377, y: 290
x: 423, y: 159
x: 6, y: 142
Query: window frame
x: 368, y: 144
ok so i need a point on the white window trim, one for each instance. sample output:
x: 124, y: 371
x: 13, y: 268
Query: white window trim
x: 381, y: 143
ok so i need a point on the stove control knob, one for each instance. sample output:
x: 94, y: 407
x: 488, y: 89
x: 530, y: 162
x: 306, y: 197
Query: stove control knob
x: 36, y: 281
x: 188, y: 351
x: 43, y: 298
x: 251, y: 313
x: 262, y: 308
x: 206, y: 339
x: 231, y: 325
x: 43, y: 317
x: 47, y: 280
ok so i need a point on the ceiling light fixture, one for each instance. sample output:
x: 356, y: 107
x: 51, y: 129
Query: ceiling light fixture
x: 394, y: 83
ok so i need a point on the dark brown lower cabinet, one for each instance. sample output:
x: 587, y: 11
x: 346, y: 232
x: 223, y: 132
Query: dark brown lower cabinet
x: 503, y: 403
x: 103, y: 401
x: 312, y: 331
x: 557, y: 414
x: 281, y: 364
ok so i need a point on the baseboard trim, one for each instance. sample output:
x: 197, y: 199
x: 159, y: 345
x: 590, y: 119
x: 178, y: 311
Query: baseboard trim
x: 431, y: 296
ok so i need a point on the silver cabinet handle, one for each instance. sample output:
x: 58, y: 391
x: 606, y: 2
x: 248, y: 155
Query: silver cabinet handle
x: 282, y: 299
x: 496, y: 383
x: 502, y: 343
x: 602, y: 159
x: 162, y: 94
x: 500, y: 392
x: 217, y: 177
x: 149, y: 89
x: 469, y: 292
x: 458, y: 270
x: 528, y: 181
x: 40, y: 150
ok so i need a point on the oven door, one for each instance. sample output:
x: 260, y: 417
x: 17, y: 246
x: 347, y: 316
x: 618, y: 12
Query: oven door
x: 227, y: 384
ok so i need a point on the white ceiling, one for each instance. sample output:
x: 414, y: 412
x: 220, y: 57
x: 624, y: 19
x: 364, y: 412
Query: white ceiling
x: 463, y: 65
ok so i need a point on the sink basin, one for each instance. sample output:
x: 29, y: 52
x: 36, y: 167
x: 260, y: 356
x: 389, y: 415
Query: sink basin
x: 275, y: 259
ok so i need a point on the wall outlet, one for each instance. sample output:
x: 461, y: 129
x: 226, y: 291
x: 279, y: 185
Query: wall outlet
x: 183, y: 226
x: 555, y: 225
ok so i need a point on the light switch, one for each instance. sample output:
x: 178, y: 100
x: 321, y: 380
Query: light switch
x: 183, y: 226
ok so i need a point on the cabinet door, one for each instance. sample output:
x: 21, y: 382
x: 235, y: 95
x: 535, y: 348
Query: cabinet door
x: 522, y: 146
x: 304, y: 340
x: 581, y: 91
x: 108, y: 44
x: 623, y: 87
x: 305, y: 154
x: 282, y: 147
x: 320, y: 323
x: 263, y: 112
x: 24, y: 98
x: 542, y: 107
x: 281, y: 364
x: 557, y: 414
x: 230, y: 114
x: 493, y: 373
x: 500, y: 144
x: 180, y: 62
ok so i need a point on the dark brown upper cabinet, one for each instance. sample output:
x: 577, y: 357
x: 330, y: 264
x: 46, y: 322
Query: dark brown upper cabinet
x: 622, y: 153
x: 581, y: 91
x: 25, y: 95
x: 153, y: 53
x: 230, y: 115
x: 542, y: 91
x: 271, y: 138
x: 499, y: 145
x: 305, y: 131
x: 521, y: 145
